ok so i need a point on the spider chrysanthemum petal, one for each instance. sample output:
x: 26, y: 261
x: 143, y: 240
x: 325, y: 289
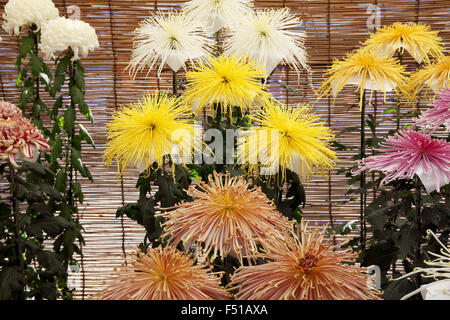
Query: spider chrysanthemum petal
x: 216, y: 14
x: 145, y: 131
x: 438, y: 115
x: 418, y: 39
x: 163, y: 274
x: 226, y: 217
x: 228, y: 81
x: 292, y: 137
x: 367, y: 71
x: 269, y: 37
x: 170, y: 39
x: 303, y: 267
x: 410, y: 153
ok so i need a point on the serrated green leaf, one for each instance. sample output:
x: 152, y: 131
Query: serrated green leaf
x: 60, y: 181
x: 69, y: 120
x: 84, y: 134
x: 36, y: 65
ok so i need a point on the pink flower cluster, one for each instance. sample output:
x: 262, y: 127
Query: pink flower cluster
x: 409, y: 153
x: 439, y: 115
x: 19, y: 138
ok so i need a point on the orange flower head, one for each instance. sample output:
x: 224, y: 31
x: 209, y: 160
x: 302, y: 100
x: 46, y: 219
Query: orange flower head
x: 226, y: 217
x: 303, y: 267
x: 164, y: 274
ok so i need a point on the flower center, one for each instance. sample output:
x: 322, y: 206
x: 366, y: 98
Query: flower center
x: 307, y: 263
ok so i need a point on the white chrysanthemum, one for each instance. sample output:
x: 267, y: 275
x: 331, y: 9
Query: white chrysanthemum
x: 60, y: 34
x: 19, y: 13
x: 268, y: 37
x: 170, y: 39
x: 216, y: 14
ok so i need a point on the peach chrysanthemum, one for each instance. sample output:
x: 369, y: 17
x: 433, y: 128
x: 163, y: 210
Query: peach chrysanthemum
x: 164, y: 274
x: 303, y: 267
x: 19, y: 138
x: 226, y: 217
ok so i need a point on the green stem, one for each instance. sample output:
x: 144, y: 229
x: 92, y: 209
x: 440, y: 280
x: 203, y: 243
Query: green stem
x: 419, y: 225
x: 218, y: 43
x: 37, y: 81
x: 400, y: 59
x: 17, y: 232
x: 175, y: 82
x: 363, y: 174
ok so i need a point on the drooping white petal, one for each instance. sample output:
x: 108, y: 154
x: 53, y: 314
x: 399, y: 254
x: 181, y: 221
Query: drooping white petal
x: 171, y: 39
x: 432, y: 179
x: 269, y: 37
x: 438, y: 290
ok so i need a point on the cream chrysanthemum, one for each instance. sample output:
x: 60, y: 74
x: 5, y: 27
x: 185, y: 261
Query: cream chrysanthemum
x: 435, y: 76
x: 304, y: 267
x: 164, y: 274
x: 367, y: 71
x: 418, y: 39
x: 228, y: 81
x: 226, y: 217
x: 61, y: 34
x: 20, y: 13
x: 170, y: 39
x: 215, y: 14
x: 287, y: 137
x: 269, y: 37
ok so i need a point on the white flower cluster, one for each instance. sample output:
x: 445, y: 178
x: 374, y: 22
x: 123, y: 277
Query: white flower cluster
x: 20, y: 13
x: 60, y: 34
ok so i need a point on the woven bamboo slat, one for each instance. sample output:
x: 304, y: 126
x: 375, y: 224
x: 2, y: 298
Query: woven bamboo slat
x: 333, y: 27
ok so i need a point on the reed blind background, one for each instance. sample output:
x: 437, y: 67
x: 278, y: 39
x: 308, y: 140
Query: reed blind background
x: 333, y: 27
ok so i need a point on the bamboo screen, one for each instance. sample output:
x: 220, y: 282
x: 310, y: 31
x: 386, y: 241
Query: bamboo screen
x: 334, y: 28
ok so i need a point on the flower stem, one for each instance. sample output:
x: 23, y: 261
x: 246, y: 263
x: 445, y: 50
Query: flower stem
x: 17, y: 232
x: 400, y: 60
x: 218, y: 43
x: 175, y: 82
x: 419, y: 225
x: 363, y: 174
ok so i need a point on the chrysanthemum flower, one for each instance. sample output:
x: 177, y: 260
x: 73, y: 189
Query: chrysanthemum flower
x: 170, y: 39
x: 21, y: 13
x: 439, y: 268
x: 144, y: 132
x: 216, y: 14
x: 418, y: 39
x: 304, y: 267
x: 226, y: 217
x: 60, y: 34
x: 439, y: 115
x: 228, y: 81
x: 19, y: 138
x: 164, y: 274
x: 435, y: 76
x: 268, y: 37
x: 409, y: 153
x: 292, y: 137
x: 365, y: 70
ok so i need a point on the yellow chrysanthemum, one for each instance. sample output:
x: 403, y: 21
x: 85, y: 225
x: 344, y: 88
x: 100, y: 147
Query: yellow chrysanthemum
x: 418, y: 39
x: 293, y: 138
x: 144, y: 132
x: 434, y: 76
x: 228, y: 81
x: 365, y: 70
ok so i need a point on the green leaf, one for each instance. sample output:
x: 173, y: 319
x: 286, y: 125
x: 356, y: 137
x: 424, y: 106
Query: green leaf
x: 407, y: 239
x: 76, y: 95
x: 10, y: 282
x: 60, y: 75
x: 84, y: 134
x: 36, y: 65
x: 57, y: 148
x: 78, y: 193
x: 26, y: 45
x: 61, y: 180
x: 69, y: 120
x: 390, y: 110
x: 53, y: 226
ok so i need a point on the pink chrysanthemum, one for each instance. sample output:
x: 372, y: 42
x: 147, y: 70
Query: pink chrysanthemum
x: 409, y: 153
x: 19, y: 138
x: 304, y: 267
x: 439, y: 115
x: 164, y: 274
